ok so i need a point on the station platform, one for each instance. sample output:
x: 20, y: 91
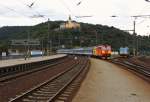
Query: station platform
x: 107, y: 82
x: 12, y: 62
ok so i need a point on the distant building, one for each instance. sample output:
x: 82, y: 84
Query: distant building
x: 19, y: 47
x: 70, y: 24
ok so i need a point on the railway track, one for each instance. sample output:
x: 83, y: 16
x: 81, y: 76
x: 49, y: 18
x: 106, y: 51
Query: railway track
x: 58, y: 88
x: 15, y: 74
x: 17, y: 86
x: 141, y: 70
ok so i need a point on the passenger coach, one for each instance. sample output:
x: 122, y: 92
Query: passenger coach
x: 100, y: 51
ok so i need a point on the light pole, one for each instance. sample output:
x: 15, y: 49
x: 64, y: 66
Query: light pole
x: 25, y: 45
x: 48, y: 40
x: 96, y: 36
x: 135, y: 50
x: 28, y: 40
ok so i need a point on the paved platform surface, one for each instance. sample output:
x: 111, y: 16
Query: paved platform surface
x: 107, y: 82
x: 4, y: 63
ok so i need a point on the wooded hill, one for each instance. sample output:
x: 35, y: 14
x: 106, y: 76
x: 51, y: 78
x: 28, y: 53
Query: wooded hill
x: 87, y: 35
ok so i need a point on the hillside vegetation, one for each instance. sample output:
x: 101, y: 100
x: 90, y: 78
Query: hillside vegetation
x: 87, y: 35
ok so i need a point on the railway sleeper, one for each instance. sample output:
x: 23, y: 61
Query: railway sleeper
x: 31, y: 100
x: 42, y: 94
x: 46, y: 92
x: 62, y: 98
x: 52, y: 90
x: 67, y: 92
x: 65, y: 95
x: 54, y: 85
x: 49, y: 87
x: 59, y: 101
x: 71, y: 88
x: 39, y: 97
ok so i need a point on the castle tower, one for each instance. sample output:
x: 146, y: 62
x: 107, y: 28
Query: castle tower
x: 69, y: 20
x: 70, y: 24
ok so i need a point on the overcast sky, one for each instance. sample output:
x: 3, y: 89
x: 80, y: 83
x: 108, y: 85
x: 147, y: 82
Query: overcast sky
x: 17, y: 12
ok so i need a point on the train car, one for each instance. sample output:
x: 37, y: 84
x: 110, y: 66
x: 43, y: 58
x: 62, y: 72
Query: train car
x: 83, y: 51
x: 65, y: 51
x: 77, y: 51
x: 108, y: 50
x: 102, y: 51
x: 124, y: 51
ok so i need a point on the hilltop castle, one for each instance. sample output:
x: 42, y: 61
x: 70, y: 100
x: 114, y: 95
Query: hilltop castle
x: 70, y: 24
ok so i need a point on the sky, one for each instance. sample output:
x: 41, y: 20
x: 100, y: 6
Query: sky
x: 19, y: 12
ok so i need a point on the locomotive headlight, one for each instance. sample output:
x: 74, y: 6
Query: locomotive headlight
x: 109, y: 52
x: 103, y: 51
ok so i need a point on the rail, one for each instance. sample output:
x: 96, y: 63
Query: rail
x: 13, y: 73
x: 140, y: 70
x: 50, y: 89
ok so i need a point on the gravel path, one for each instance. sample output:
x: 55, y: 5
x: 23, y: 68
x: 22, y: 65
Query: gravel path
x: 107, y: 82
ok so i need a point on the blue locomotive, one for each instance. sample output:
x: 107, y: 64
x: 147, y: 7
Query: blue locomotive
x: 124, y: 51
